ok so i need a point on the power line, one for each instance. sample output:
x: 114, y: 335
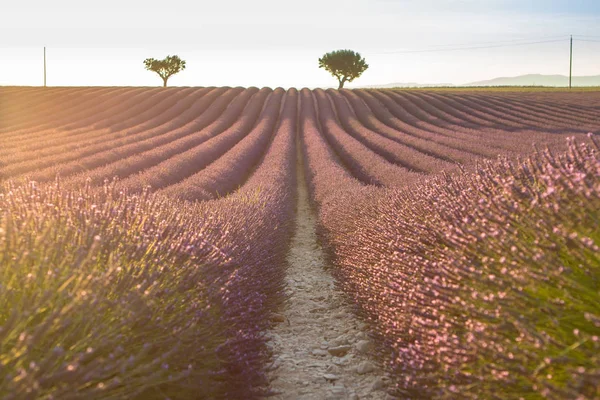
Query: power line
x: 500, y: 41
x: 587, y: 40
x: 471, y: 48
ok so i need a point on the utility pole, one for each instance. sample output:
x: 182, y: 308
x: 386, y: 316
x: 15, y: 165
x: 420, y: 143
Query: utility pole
x: 571, y: 63
x: 44, y: 66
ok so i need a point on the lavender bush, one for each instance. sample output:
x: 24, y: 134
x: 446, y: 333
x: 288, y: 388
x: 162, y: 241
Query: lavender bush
x: 109, y: 295
x: 479, y: 284
x: 482, y: 284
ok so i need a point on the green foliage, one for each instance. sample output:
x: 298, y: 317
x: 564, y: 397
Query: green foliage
x: 345, y: 65
x: 104, y: 296
x: 532, y: 301
x: 483, y: 285
x: 165, y: 68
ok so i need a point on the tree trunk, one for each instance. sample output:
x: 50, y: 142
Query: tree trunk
x: 342, y: 81
x: 165, y: 82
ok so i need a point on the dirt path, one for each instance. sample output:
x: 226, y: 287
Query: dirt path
x: 321, y: 349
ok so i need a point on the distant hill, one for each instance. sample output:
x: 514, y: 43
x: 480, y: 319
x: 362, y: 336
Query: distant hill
x: 522, y: 80
x: 539, y: 80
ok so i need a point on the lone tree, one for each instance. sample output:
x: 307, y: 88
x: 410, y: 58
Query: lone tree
x: 165, y: 68
x: 345, y: 65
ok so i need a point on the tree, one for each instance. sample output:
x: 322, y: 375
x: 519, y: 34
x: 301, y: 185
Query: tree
x: 345, y: 65
x: 165, y: 68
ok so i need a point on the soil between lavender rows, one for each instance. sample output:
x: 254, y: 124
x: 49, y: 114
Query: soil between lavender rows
x: 321, y: 350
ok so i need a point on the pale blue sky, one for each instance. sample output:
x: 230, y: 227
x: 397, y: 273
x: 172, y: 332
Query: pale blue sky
x: 277, y: 42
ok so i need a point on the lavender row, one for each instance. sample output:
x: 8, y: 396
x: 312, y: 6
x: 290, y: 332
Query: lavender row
x: 138, y: 296
x: 260, y: 240
x: 498, y: 114
x: 78, y: 110
x: 230, y: 128
x: 519, y: 131
x: 376, y: 115
x: 141, y: 126
x: 196, y: 331
x: 456, y: 108
x: 34, y: 99
x: 481, y: 283
x: 220, y: 351
x: 430, y: 119
x: 366, y: 165
x: 19, y: 106
x: 229, y: 171
x: 538, y: 113
x: 423, y: 154
x: 578, y: 105
x: 154, y: 106
x: 166, y: 125
x: 509, y: 139
x: 167, y: 139
x: 31, y: 137
x: 397, y: 153
x: 70, y: 109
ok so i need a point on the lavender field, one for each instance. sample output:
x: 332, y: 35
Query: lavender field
x: 144, y: 235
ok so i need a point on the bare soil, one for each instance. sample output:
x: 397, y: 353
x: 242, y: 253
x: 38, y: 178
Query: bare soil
x: 322, y: 351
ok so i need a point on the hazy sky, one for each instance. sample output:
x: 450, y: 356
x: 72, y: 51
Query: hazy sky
x: 278, y: 42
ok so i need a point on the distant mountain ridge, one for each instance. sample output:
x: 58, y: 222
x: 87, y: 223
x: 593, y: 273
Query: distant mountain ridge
x: 521, y: 80
x: 539, y: 80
